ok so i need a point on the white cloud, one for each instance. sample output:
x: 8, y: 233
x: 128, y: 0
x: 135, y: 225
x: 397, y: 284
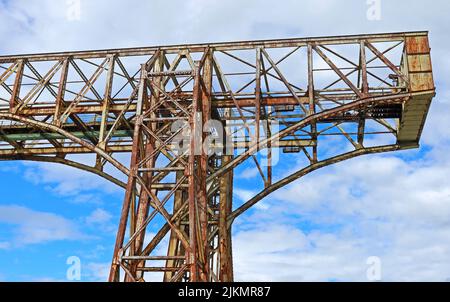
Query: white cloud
x: 247, y: 173
x: 101, y: 219
x: 98, y: 216
x: 67, y: 181
x: 33, y: 227
x: 96, y: 271
x: 4, y: 245
x: 376, y: 186
x: 385, y: 206
x: 98, y: 252
x: 284, y: 253
x: 243, y: 194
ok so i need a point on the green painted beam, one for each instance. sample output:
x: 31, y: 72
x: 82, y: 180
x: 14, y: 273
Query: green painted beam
x: 52, y: 135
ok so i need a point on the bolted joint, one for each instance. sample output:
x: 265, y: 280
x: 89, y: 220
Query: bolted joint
x: 139, y: 120
x: 134, y: 171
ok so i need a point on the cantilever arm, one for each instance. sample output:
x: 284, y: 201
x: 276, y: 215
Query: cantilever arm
x: 395, y: 98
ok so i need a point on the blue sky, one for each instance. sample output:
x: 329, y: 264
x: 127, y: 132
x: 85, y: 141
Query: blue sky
x: 321, y: 228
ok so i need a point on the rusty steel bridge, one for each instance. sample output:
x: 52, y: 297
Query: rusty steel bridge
x: 330, y: 98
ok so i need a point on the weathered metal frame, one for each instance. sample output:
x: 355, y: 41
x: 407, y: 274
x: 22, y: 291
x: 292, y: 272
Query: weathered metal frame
x: 187, y: 197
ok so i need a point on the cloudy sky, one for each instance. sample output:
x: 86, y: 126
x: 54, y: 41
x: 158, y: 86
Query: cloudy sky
x: 322, y: 228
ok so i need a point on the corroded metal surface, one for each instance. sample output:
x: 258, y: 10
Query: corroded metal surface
x: 309, y: 102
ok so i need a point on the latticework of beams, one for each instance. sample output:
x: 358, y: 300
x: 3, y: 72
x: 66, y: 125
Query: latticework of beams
x: 193, y: 117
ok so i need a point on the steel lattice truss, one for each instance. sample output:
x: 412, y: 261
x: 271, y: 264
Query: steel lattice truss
x: 309, y: 102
